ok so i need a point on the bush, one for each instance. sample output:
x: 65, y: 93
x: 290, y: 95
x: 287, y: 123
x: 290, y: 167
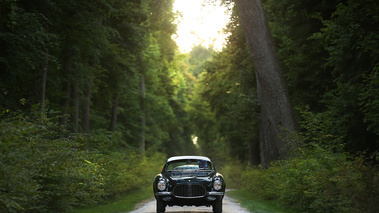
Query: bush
x: 262, y: 183
x: 43, y: 168
x: 232, y: 171
x: 319, y: 177
x: 42, y: 171
x: 123, y: 172
x: 318, y: 181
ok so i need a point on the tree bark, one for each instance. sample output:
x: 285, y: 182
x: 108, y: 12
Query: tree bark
x: 87, y: 106
x: 86, y: 110
x: 143, y: 116
x: 66, y: 84
x: 113, y: 123
x: 65, y: 103
x: 254, y: 153
x: 275, y: 107
x: 45, y: 64
x: 142, y: 144
x: 76, y: 105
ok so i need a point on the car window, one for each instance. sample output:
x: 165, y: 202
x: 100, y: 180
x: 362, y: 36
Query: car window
x: 186, y: 165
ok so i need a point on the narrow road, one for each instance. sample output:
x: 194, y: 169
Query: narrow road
x: 229, y: 206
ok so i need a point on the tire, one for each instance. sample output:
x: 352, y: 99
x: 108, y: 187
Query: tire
x: 217, y: 206
x: 161, y: 207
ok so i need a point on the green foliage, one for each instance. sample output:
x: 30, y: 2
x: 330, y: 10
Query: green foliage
x: 317, y: 178
x: 45, y: 169
x: 225, y: 100
x: 369, y: 99
x: 328, y: 50
x: 232, y: 171
x: 96, y: 52
x: 352, y: 42
x: 317, y: 181
x: 23, y: 39
x: 105, y: 141
x: 122, y: 172
x: 198, y: 56
x: 293, y: 24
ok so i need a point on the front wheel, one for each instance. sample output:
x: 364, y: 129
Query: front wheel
x: 217, y: 206
x: 161, y: 207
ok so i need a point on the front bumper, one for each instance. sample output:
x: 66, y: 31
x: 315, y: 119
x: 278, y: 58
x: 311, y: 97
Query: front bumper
x: 169, y: 199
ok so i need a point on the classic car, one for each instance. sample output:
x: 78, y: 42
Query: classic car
x: 189, y: 181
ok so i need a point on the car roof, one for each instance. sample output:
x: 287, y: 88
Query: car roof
x: 189, y: 157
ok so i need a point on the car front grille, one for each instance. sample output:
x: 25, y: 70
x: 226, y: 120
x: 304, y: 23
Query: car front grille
x: 189, y: 191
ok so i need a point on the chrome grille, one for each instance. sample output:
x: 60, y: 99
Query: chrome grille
x: 189, y: 190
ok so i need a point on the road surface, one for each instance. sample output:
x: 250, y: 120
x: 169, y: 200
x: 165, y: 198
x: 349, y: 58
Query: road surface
x: 229, y: 206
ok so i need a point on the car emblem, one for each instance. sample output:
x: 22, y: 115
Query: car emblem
x: 189, y: 180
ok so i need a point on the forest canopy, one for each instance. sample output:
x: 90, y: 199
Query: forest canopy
x: 90, y: 87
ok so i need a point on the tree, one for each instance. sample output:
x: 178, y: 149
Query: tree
x: 275, y: 107
x: 352, y: 41
x: 293, y: 23
x: 23, y: 41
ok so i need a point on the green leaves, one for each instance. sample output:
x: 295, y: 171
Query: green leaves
x: 317, y: 180
x: 223, y: 106
x: 42, y: 171
x: 369, y: 101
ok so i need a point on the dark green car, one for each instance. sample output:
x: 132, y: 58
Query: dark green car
x: 189, y: 181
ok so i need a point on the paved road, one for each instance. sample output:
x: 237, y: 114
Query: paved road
x: 229, y: 206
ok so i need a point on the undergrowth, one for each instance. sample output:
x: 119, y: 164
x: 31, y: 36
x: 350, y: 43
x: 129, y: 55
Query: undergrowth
x: 44, y: 168
x: 319, y: 177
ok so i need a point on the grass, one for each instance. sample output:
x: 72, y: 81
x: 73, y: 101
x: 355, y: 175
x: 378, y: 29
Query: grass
x: 124, y: 203
x: 256, y: 205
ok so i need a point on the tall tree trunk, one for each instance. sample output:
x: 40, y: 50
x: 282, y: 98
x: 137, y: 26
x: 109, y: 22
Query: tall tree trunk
x: 76, y: 105
x: 65, y: 103
x: 43, y: 79
x: 66, y: 83
x: 143, y: 116
x: 276, y: 110
x: 142, y: 144
x: 254, y: 153
x: 112, y: 124
x: 87, y: 106
x: 45, y: 65
x: 86, y: 110
x: 87, y: 94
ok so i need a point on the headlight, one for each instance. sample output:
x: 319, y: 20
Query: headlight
x: 161, y: 185
x: 217, y: 185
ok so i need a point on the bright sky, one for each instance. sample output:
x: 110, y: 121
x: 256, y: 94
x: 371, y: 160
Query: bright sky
x: 200, y: 24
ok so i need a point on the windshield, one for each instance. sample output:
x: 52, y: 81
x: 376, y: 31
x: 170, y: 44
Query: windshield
x: 188, y: 165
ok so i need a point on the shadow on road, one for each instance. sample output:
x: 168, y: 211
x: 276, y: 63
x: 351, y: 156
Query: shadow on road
x: 229, y: 206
